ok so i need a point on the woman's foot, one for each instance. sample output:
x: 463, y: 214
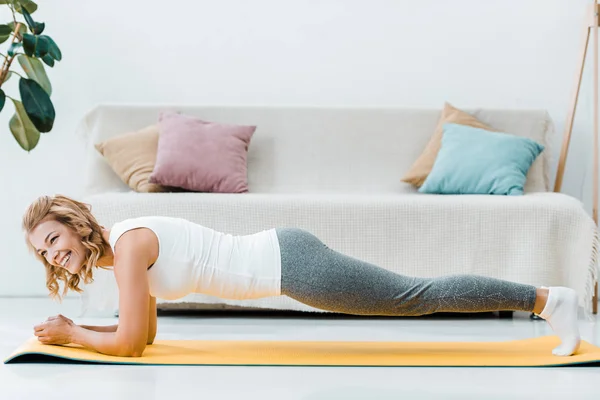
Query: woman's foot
x: 560, y: 312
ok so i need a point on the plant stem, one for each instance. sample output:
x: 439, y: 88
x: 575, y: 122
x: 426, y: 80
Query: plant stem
x: 18, y: 74
x: 8, y: 60
x: 12, y: 8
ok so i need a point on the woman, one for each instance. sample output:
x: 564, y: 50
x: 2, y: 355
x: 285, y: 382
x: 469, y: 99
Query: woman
x: 171, y: 257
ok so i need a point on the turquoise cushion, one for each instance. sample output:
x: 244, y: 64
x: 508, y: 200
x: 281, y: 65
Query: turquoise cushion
x: 477, y: 161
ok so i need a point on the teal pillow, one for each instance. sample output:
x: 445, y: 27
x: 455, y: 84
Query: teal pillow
x: 477, y: 161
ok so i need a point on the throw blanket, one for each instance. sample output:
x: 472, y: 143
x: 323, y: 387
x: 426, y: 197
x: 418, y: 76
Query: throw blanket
x: 540, y: 238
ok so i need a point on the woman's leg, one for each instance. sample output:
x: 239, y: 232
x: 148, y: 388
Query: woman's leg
x: 320, y: 277
x: 323, y: 278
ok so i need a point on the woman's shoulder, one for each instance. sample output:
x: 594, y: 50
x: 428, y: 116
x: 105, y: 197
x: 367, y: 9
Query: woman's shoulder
x: 147, y: 221
x: 158, y: 228
x: 130, y: 237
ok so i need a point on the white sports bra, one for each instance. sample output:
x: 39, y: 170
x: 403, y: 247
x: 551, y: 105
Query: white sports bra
x: 196, y: 259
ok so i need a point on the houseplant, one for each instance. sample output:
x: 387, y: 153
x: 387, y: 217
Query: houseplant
x: 33, y: 110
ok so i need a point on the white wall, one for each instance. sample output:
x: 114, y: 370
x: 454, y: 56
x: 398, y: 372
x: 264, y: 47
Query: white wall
x: 510, y: 53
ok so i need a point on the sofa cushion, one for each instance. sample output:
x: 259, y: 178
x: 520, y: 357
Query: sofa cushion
x: 132, y: 156
x: 309, y: 149
x: 201, y: 156
x: 422, y: 166
x: 477, y: 161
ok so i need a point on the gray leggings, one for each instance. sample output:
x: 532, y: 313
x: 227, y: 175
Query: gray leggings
x: 320, y: 277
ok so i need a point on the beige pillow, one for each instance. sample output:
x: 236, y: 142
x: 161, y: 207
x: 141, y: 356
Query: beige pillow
x: 132, y: 156
x: 421, y: 168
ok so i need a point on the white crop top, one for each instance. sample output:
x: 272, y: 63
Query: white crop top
x: 196, y: 259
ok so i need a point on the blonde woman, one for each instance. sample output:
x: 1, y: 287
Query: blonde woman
x: 170, y: 257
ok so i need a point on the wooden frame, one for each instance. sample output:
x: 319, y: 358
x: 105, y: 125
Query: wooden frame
x: 590, y: 26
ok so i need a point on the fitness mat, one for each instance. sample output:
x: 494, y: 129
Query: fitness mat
x: 533, y: 352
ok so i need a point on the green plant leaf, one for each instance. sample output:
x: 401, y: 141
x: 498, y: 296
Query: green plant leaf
x: 35, y: 70
x: 38, y: 28
x: 29, y: 43
x: 37, y: 103
x: 14, y: 47
x: 37, y: 46
x: 28, y: 5
x: 53, y: 49
x: 23, y: 130
x: 43, y: 46
x: 28, y: 19
x: 5, y: 33
x: 2, y: 99
x: 35, y: 27
x: 48, y: 60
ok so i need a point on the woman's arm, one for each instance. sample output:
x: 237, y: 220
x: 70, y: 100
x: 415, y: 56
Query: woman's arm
x: 152, y: 323
x: 109, y: 328
x: 152, y: 320
x: 133, y: 331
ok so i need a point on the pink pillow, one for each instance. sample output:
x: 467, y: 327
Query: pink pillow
x: 201, y: 156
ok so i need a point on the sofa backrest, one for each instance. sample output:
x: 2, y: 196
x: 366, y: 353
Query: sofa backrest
x: 316, y: 149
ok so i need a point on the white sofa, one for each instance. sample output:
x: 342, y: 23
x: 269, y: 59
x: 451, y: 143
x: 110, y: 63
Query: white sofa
x: 336, y: 172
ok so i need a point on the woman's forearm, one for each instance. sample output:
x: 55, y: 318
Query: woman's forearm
x: 103, y: 342
x: 113, y: 328
x: 110, y: 328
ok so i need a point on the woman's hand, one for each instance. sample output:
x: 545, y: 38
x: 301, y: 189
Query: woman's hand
x: 55, y: 330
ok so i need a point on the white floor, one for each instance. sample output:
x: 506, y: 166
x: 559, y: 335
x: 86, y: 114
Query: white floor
x: 89, y: 382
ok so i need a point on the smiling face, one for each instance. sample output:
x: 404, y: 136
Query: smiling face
x: 59, y: 245
x: 68, y: 240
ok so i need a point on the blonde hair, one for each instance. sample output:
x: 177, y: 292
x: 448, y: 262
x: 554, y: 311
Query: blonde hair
x: 74, y: 215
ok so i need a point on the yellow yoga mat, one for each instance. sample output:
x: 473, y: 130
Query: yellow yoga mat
x: 515, y: 353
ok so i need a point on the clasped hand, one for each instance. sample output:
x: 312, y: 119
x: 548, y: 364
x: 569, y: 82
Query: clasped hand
x: 55, y: 330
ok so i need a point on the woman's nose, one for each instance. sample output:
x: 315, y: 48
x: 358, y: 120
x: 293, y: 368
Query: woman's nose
x: 54, y: 258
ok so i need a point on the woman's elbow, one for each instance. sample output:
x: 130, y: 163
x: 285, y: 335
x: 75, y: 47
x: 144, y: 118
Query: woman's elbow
x: 132, y: 349
x: 135, y: 352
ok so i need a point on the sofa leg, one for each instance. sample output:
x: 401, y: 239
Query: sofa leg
x: 505, y: 314
x: 595, y: 299
x: 535, y: 317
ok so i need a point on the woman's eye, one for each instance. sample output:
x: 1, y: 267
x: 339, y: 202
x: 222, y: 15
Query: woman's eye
x: 53, y: 239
